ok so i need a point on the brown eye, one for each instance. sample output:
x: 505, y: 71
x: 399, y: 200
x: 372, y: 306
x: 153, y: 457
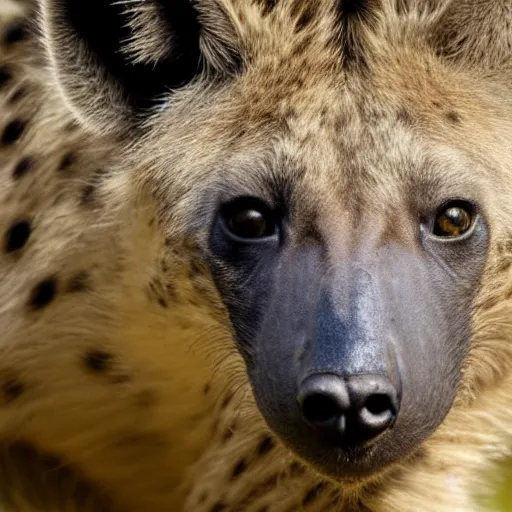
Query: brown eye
x: 453, y: 220
x: 249, y: 219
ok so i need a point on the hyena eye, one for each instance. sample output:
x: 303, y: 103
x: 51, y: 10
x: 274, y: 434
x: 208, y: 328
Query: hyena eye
x: 249, y: 218
x: 454, y: 219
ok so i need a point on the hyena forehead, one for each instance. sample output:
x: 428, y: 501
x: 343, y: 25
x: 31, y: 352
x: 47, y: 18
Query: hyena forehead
x: 300, y: 104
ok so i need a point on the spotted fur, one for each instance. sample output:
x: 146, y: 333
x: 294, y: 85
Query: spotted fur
x: 121, y: 388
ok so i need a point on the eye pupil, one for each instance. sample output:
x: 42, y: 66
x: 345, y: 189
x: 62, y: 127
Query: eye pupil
x: 249, y: 218
x: 453, y: 221
x: 248, y: 223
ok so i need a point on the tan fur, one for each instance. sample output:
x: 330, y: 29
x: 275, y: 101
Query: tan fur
x: 169, y: 421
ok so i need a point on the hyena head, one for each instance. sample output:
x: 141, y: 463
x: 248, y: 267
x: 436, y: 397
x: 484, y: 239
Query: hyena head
x: 342, y: 168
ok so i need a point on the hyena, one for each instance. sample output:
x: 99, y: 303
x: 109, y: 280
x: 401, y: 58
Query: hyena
x: 256, y: 254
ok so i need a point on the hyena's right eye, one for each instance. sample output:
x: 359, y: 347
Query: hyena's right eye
x: 454, y: 220
x: 249, y: 218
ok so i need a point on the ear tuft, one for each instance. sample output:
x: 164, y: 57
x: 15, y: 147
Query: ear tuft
x: 114, y: 60
x: 150, y: 39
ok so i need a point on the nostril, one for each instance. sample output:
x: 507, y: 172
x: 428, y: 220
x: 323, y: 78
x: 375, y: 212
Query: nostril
x: 377, y: 414
x: 378, y: 404
x: 319, y: 408
x: 323, y: 401
x: 375, y: 402
x: 349, y: 411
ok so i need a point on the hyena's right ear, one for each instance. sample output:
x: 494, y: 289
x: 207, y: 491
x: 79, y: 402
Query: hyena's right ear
x: 114, y: 59
x: 475, y: 33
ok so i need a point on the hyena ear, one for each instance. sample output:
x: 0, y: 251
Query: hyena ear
x: 114, y: 60
x: 477, y: 33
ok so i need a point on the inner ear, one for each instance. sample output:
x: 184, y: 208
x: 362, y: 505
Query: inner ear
x: 108, y: 30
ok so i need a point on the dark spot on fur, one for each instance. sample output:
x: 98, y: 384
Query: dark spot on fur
x: 301, y: 47
x: 15, y: 33
x: 67, y: 160
x: 437, y: 104
x: 228, y: 434
x: 227, y: 400
x: 296, y: 469
x: 12, y: 390
x: 265, y: 445
x: 203, y: 497
x: 17, y: 235
x: 98, y: 361
x: 262, y: 489
x: 405, y: 116
x: 267, y: 6
x: 171, y: 291
x: 71, y: 126
x: 22, y: 167
x: 310, y: 232
x: 43, y: 293
x: 18, y: 94
x: 120, y: 378
x: 312, y: 494
x: 153, y: 287
x: 453, y: 116
x: 80, y: 282
x: 207, y: 389
x: 146, y: 399
x: 503, y: 264
x: 164, y: 267
x: 87, y: 195
x: 13, y: 131
x: 420, y: 456
x: 136, y: 441
x: 239, y: 469
x: 162, y: 302
x: 264, y: 508
x: 88, y: 192
x: 305, y: 18
x: 194, y: 300
x: 238, y: 135
x: 505, y: 246
x: 5, y: 76
x: 195, y: 269
x: 218, y: 507
x: 492, y: 302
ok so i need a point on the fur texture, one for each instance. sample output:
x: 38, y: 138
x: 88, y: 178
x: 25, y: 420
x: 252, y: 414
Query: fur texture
x: 121, y: 386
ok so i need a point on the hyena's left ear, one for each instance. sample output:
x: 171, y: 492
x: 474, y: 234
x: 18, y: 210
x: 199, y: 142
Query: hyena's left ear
x: 476, y: 33
x: 114, y: 59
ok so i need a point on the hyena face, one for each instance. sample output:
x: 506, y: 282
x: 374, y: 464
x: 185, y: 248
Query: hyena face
x: 350, y: 293
x: 324, y: 161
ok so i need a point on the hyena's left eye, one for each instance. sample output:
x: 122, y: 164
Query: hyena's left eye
x: 249, y: 218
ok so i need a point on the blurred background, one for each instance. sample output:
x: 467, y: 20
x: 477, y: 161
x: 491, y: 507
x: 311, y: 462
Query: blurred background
x: 501, y: 482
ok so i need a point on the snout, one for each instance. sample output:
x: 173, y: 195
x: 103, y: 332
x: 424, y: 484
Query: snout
x: 349, y: 365
x: 351, y: 411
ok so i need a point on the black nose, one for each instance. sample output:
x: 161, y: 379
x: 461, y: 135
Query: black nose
x: 354, y: 410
